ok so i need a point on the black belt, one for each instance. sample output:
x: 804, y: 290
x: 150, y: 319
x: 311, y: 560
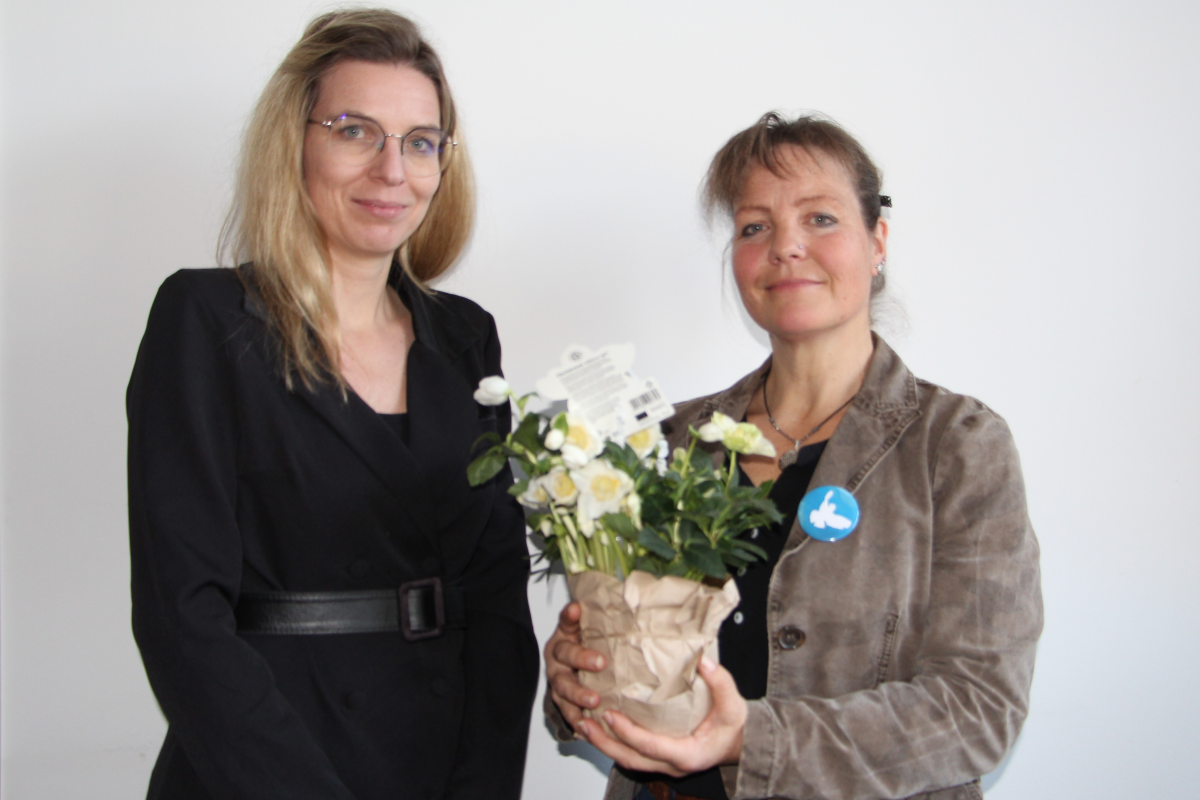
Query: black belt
x: 418, y: 609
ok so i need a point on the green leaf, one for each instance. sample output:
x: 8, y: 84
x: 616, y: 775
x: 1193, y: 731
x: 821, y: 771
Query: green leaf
x: 650, y: 539
x: 747, y: 549
x: 690, y: 532
x: 701, y: 461
x: 526, y: 433
x: 484, y: 468
x: 677, y: 568
x: 705, y: 559
x: 651, y: 565
x: 560, y: 423
x: 620, y: 525
x: 518, y: 488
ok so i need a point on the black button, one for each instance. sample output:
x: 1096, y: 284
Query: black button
x: 431, y: 566
x: 439, y: 687
x: 354, y: 700
x: 790, y: 637
x: 360, y: 568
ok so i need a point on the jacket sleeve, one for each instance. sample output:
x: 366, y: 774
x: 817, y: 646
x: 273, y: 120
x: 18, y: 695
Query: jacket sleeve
x: 961, y: 711
x: 240, y: 735
x: 500, y: 651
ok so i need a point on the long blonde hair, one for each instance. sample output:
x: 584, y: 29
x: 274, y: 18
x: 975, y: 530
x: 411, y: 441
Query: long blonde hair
x: 272, y: 223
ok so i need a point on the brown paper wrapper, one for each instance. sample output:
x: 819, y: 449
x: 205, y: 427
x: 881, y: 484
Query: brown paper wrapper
x: 652, y: 633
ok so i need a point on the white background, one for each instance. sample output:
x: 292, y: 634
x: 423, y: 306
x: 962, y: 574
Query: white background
x: 1043, y: 159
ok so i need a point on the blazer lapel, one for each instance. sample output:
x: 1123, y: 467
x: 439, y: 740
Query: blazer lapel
x: 388, y: 458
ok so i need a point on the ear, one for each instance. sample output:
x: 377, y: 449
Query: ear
x: 880, y: 238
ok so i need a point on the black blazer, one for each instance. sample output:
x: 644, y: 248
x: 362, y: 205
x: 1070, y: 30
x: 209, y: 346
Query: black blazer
x: 238, y: 485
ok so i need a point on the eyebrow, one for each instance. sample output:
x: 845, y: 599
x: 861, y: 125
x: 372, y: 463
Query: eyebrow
x: 800, y: 202
x: 368, y: 118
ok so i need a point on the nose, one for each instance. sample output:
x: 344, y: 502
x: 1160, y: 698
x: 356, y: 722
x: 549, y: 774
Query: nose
x: 788, y: 244
x: 388, y: 166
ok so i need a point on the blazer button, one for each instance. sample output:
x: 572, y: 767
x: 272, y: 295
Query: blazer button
x: 431, y: 566
x: 360, y: 568
x: 438, y: 687
x: 354, y: 700
x: 790, y: 637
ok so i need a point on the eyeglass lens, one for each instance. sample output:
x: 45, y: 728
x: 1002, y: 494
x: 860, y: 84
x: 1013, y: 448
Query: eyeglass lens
x: 425, y: 150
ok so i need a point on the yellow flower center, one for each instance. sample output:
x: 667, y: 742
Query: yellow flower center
x: 561, y: 485
x: 641, y: 440
x: 605, y: 487
x: 578, y: 436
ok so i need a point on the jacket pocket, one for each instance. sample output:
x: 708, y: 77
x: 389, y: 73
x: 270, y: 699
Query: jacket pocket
x: 891, y: 623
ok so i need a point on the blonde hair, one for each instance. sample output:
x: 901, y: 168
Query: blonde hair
x: 272, y: 223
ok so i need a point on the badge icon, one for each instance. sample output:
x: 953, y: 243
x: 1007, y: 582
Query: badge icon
x: 828, y: 513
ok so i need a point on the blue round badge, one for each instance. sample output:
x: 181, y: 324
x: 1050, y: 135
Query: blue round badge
x: 828, y: 513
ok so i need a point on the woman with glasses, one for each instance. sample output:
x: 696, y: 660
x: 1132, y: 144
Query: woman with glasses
x: 324, y: 606
x: 885, y: 647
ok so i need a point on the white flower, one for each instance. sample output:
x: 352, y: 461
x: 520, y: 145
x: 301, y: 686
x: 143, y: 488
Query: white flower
x: 601, y: 489
x: 547, y: 527
x: 554, y: 439
x: 646, y: 440
x: 581, y: 434
x: 493, y: 391
x: 740, y: 437
x: 558, y: 484
x: 587, y: 527
x: 535, y: 495
x: 573, y: 457
x: 633, y: 508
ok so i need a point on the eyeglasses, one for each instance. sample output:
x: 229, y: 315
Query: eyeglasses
x: 358, y: 140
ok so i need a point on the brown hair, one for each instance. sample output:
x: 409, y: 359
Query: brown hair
x: 760, y: 146
x: 272, y: 222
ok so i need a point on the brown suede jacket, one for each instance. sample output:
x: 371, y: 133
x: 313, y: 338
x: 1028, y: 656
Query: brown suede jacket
x: 920, y: 629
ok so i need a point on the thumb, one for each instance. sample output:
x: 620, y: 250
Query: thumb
x: 726, y: 698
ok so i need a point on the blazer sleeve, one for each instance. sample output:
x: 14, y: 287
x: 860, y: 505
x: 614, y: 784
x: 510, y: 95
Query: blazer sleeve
x: 962, y: 710
x: 500, y: 650
x: 241, y: 736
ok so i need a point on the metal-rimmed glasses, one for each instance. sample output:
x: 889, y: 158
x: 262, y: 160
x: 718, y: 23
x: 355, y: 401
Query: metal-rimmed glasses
x: 358, y: 140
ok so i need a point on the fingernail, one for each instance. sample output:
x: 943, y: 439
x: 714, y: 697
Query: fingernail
x: 707, y: 664
x: 583, y: 728
x: 608, y: 717
x: 598, y: 662
x: 594, y: 700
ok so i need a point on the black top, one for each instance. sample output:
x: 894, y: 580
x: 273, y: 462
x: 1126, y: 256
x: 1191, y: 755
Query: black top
x: 239, y: 484
x: 743, y: 640
x: 399, y: 425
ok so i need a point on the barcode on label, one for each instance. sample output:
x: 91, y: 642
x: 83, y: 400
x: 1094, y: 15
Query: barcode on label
x: 644, y: 399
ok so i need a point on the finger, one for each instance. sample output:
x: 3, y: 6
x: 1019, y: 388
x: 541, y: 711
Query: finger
x: 565, y: 685
x: 623, y: 754
x: 569, y: 617
x: 683, y: 755
x: 575, y: 656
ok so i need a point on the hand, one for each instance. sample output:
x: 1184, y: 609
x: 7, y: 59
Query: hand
x: 564, y: 656
x: 717, y: 740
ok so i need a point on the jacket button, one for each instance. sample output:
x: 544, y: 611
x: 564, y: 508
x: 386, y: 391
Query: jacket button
x: 360, y: 568
x: 790, y: 637
x: 354, y: 700
x: 438, y: 687
x: 431, y: 566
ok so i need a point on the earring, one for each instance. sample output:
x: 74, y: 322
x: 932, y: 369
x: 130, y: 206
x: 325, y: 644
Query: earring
x: 879, y: 267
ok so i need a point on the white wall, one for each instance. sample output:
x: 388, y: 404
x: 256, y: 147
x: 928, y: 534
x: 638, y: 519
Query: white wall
x: 1043, y: 158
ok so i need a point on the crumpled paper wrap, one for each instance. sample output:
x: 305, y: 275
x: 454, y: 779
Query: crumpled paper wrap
x: 652, y: 633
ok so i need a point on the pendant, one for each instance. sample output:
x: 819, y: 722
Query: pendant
x: 789, y: 458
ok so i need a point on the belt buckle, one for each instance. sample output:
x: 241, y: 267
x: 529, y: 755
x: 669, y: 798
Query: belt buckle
x: 422, y: 612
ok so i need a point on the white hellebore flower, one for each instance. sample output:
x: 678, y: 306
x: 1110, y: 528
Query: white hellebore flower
x: 601, y: 489
x: 535, y: 495
x: 558, y: 484
x: 554, y: 439
x: 645, y: 441
x: 581, y: 434
x: 573, y: 457
x: 740, y: 437
x: 493, y: 391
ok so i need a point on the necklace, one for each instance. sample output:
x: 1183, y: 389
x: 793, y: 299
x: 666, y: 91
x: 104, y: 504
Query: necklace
x: 789, y: 458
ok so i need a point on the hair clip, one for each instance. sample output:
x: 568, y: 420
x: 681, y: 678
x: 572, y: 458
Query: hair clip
x: 885, y: 206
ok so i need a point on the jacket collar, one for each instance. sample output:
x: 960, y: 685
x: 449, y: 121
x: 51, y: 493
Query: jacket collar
x: 885, y: 405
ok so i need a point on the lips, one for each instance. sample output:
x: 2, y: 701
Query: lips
x: 381, y: 208
x: 785, y: 284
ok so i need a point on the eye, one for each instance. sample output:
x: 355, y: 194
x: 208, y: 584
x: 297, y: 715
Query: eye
x: 356, y: 131
x: 423, y: 143
x: 823, y: 220
x: 751, y: 229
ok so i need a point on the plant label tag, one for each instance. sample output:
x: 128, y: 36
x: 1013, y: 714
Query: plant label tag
x: 598, y: 386
x: 643, y: 405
